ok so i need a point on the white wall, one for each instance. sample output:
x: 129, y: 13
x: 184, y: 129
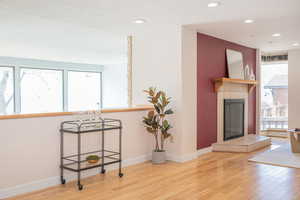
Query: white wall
x: 258, y: 89
x: 115, y: 84
x: 165, y: 57
x: 157, y: 62
x: 294, y: 88
x: 189, y: 91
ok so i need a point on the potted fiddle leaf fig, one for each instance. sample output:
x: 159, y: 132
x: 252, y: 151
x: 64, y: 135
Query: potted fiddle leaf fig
x: 156, y: 122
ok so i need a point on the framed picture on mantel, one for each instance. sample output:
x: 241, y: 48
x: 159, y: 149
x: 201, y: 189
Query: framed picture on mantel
x: 235, y: 64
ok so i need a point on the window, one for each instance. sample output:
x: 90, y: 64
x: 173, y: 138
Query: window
x: 84, y: 90
x: 42, y: 86
x: 54, y: 87
x: 6, y: 91
x: 274, y: 96
x: 41, y: 90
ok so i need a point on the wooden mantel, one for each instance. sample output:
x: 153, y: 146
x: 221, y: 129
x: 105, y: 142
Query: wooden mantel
x: 220, y: 81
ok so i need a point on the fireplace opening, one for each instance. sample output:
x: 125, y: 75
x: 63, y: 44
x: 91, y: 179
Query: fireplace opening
x: 233, y: 118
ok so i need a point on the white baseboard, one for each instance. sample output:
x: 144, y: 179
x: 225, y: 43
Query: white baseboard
x: 53, y: 181
x: 190, y: 156
x: 29, y: 187
x: 203, y: 151
x: 136, y: 160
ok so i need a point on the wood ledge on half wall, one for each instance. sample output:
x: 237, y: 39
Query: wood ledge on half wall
x: 55, y: 114
x: 220, y: 81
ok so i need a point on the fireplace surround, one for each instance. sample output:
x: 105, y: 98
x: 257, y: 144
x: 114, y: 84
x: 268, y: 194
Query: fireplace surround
x: 231, y: 92
x: 232, y: 117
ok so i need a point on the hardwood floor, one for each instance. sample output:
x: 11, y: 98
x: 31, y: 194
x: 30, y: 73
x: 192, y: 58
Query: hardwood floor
x: 214, y: 176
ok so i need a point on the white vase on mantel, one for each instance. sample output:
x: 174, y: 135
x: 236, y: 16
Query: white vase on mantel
x: 252, y: 75
x: 247, y: 73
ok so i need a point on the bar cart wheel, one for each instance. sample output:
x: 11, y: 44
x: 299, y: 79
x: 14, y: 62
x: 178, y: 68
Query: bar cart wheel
x: 80, y: 187
x: 63, y: 181
x: 103, y: 171
x: 121, y: 175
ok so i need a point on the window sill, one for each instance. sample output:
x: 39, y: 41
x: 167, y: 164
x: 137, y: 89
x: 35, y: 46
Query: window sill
x: 54, y: 114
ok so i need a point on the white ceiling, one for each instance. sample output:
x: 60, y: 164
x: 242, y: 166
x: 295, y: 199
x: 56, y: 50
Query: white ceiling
x: 95, y: 31
x: 258, y: 34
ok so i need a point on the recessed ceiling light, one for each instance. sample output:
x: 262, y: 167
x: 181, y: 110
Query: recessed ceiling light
x: 139, y: 21
x: 276, y: 35
x: 249, y: 21
x: 213, y: 4
x: 296, y: 44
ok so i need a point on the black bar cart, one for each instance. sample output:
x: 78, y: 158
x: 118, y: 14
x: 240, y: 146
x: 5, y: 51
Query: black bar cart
x: 78, y: 162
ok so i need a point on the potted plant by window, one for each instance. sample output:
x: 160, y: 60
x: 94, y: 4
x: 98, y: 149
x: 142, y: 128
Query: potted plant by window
x: 157, y: 124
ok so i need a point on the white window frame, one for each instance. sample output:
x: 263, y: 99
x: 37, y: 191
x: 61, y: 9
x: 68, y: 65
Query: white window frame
x: 19, y: 63
x: 14, y: 85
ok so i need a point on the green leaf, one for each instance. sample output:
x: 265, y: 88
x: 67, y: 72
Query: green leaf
x: 162, y: 115
x: 157, y: 109
x: 166, y: 135
x: 169, y: 111
x: 158, y: 95
x: 151, y: 91
x: 165, y: 123
x: 151, y: 130
x: 154, y: 99
x: 151, y: 114
x: 163, y: 99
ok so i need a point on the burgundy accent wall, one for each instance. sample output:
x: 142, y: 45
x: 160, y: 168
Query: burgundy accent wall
x: 211, y: 63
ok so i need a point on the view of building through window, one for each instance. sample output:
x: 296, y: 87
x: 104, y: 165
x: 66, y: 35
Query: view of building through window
x: 274, y: 96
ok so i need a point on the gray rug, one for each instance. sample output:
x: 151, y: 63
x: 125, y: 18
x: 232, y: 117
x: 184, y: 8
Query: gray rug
x: 279, y: 155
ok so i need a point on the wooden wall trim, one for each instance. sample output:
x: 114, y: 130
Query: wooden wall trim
x: 55, y: 114
x: 129, y: 70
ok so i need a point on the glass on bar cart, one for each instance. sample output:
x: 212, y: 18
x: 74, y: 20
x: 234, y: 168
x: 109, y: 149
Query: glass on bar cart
x: 90, y: 115
x: 98, y: 113
x: 80, y: 117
